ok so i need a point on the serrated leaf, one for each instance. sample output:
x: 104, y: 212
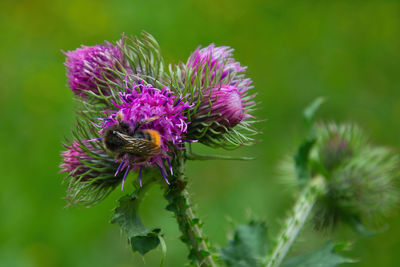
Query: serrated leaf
x: 126, y: 216
x: 326, y: 256
x: 310, y: 110
x: 301, y: 160
x: 248, y: 246
x: 145, y: 243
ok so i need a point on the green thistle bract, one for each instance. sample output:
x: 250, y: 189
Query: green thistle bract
x: 91, y: 173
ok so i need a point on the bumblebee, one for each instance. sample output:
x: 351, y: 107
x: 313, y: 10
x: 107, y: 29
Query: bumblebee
x: 140, y: 143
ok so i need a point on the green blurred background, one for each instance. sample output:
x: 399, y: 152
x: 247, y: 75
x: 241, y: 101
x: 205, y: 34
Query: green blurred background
x: 295, y: 51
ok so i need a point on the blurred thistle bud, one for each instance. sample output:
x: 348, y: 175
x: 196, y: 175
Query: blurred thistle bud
x: 89, y: 68
x: 360, y: 178
x: 335, y: 144
x: 90, y: 172
x: 221, y: 100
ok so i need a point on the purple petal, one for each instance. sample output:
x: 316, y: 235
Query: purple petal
x: 123, y: 180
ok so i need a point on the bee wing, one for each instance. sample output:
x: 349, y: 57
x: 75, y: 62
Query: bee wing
x: 139, y: 146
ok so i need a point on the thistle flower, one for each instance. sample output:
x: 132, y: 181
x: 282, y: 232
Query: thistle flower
x: 90, y: 171
x: 216, y: 59
x: 87, y: 67
x: 222, y: 100
x: 141, y: 102
x: 360, y: 178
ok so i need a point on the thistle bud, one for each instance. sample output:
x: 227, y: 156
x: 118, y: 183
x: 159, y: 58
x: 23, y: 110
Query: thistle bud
x: 222, y: 98
x: 88, y: 67
x: 221, y: 109
x: 360, y: 177
x: 90, y: 173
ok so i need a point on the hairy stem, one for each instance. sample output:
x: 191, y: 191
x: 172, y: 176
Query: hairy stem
x: 179, y: 203
x: 296, y: 220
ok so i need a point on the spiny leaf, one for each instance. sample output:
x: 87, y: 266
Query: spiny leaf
x: 326, y: 256
x: 126, y: 215
x: 145, y: 243
x: 248, y: 246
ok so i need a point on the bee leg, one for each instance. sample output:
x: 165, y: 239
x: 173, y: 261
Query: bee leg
x: 141, y: 160
x: 131, y: 158
x: 149, y: 119
x: 140, y: 123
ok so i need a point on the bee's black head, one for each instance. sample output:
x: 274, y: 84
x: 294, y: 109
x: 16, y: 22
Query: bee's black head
x: 111, y: 140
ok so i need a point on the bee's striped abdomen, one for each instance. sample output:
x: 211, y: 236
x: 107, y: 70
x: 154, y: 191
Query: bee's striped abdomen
x: 152, y: 136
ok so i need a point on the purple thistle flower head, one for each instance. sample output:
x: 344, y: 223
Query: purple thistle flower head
x: 216, y: 59
x: 87, y: 65
x: 223, y: 97
x: 142, y: 108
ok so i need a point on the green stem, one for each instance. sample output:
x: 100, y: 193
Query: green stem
x: 295, y: 222
x: 195, y: 156
x: 179, y: 203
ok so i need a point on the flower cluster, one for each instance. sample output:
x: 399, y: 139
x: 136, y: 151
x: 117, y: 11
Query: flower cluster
x: 135, y: 116
x: 138, y: 118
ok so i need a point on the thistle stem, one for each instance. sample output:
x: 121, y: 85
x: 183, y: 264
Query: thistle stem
x: 179, y: 203
x: 296, y: 220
